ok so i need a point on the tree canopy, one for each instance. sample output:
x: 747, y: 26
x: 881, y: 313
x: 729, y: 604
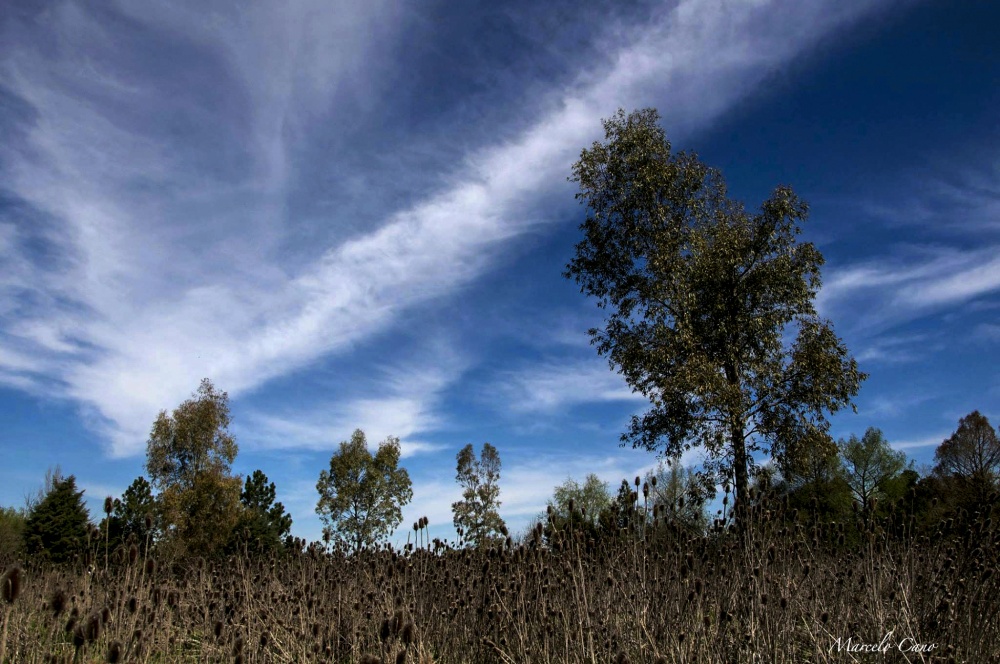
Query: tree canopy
x: 869, y: 466
x: 477, y: 513
x: 57, y: 528
x: 188, y: 459
x: 709, y: 307
x: 362, y: 494
x: 134, y: 518
x: 263, y: 524
x: 573, y: 500
x: 971, y: 456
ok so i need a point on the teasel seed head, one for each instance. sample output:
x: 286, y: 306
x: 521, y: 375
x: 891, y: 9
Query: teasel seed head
x: 401, y: 657
x: 93, y: 627
x: 10, y: 583
x: 115, y: 653
x: 384, y: 631
x: 409, y: 634
x: 57, y: 603
x: 109, y: 504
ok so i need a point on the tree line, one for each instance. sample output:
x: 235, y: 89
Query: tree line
x: 201, y: 509
x: 191, y: 504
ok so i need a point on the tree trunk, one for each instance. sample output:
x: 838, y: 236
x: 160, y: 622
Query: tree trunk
x: 737, y: 441
x: 741, y: 474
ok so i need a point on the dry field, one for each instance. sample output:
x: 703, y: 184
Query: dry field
x: 790, y: 592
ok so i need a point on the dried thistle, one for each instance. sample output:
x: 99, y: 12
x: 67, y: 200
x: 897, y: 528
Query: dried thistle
x: 10, y: 583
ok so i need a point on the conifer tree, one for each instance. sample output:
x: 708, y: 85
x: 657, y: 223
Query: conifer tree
x: 57, y: 528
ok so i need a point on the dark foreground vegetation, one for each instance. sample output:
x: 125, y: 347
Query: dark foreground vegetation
x: 791, y: 590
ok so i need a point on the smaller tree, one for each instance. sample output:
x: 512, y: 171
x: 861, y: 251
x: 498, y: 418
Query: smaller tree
x: 869, y: 465
x: 588, y: 500
x: 134, y: 518
x: 362, y: 495
x: 971, y: 457
x: 11, y: 534
x: 814, y: 481
x: 477, y: 513
x: 578, y: 505
x: 264, y: 525
x: 679, y: 496
x: 621, y: 517
x: 57, y: 528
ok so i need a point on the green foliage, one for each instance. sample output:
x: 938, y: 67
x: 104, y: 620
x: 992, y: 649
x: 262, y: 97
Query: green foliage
x: 477, y: 513
x: 870, y: 466
x: 12, y: 522
x: 188, y: 458
x: 815, y: 484
x: 701, y: 296
x: 134, y: 518
x: 263, y: 524
x: 57, y: 528
x: 971, y: 458
x: 679, y: 496
x: 588, y: 500
x: 621, y: 517
x: 362, y: 495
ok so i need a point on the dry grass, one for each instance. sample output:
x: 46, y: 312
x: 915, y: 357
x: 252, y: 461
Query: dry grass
x: 784, y: 594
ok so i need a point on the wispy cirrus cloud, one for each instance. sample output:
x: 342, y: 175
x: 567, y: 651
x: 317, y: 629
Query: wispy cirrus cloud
x: 401, y: 401
x: 909, y: 284
x: 554, y: 386
x: 157, y: 148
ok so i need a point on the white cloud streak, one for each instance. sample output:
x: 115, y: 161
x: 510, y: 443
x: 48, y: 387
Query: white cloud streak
x: 553, y: 386
x: 169, y: 271
x: 910, y: 285
x: 405, y: 405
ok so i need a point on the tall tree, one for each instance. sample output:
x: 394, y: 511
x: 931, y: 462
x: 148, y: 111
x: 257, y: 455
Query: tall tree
x: 263, y: 525
x: 870, y: 465
x: 701, y: 297
x: 188, y: 459
x: 971, y: 456
x: 362, y: 495
x: 58, y: 526
x: 477, y: 513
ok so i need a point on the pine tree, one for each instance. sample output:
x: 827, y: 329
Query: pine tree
x: 136, y: 509
x: 263, y: 525
x: 56, y: 529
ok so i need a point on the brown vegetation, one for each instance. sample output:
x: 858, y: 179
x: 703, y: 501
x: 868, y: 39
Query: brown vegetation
x: 785, y: 592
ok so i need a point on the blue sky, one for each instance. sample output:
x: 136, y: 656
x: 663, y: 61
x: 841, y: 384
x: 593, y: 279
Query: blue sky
x: 357, y: 214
